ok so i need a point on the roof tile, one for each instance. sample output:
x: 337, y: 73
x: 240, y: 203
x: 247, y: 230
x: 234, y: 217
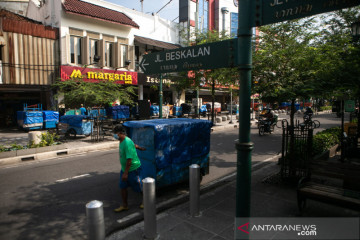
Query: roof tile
x: 95, y: 11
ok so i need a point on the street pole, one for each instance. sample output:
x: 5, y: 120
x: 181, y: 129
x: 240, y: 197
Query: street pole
x: 160, y: 96
x: 244, y: 146
x: 231, y: 106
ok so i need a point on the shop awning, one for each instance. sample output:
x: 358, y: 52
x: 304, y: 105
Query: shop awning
x: 156, y: 43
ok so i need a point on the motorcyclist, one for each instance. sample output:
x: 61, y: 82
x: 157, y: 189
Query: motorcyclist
x: 268, y: 116
x: 308, y: 114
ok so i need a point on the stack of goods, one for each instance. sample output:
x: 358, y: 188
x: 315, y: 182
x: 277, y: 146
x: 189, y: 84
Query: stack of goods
x: 154, y: 110
x: 118, y: 112
x: 172, y: 145
x: 30, y: 120
x: 51, y: 118
x: 101, y: 113
x: 177, y: 111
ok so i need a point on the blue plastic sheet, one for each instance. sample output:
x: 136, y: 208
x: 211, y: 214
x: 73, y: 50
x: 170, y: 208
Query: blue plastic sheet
x: 30, y: 119
x: 177, y: 111
x: 172, y: 145
x: 50, y: 116
x: 118, y: 112
x: 73, y: 120
x: 154, y: 110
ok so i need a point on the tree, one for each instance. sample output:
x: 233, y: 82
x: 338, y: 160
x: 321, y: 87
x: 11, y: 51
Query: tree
x: 283, y: 62
x: 222, y: 76
x: 77, y: 91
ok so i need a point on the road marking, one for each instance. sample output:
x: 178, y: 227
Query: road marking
x: 72, y: 178
x: 266, y: 160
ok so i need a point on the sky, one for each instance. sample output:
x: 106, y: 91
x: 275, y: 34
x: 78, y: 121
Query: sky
x: 170, y: 12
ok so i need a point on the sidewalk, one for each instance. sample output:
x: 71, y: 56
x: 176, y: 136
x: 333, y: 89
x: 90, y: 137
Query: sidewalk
x: 270, y: 197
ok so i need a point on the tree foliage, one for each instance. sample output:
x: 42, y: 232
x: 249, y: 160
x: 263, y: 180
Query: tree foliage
x: 77, y: 91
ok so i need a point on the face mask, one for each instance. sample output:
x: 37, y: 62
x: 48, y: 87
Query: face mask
x: 116, y: 136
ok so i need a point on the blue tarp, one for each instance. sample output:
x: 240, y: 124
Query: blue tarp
x: 172, y: 145
x: 95, y: 113
x: 30, y: 119
x: 177, y: 111
x: 73, y: 120
x: 203, y: 109
x: 154, y: 110
x: 76, y: 122
x: 118, y: 112
x: 50, y: 116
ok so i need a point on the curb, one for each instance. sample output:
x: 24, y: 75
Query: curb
x: 62, y: 152
x: 137, y: 217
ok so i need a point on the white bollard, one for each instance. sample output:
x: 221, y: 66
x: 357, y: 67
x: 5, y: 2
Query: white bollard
x: 194, y: 175
x: 34, y: 137
x: 95, y: 220
x: 150, y: 231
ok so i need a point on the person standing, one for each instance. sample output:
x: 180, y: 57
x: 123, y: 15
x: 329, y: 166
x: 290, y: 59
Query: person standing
x: 130, y: 167
x: 82, y: 110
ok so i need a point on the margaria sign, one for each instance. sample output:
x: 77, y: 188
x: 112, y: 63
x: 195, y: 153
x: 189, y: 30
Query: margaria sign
x: 206, y: 56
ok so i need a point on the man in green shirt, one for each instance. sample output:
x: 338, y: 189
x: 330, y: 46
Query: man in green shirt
x: 130, y: 166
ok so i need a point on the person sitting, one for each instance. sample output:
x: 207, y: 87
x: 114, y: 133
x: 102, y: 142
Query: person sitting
x: 308, y: 113
x: 268, y: 116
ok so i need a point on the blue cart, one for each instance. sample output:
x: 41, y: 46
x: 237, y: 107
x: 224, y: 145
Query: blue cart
x: 31, y: 118
x: 73, y: 125
x: 172, y: 145
x: 50, y: 118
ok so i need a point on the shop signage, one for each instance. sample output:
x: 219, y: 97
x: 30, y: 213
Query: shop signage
x: 206, y: 56
x: 151, y: 80
x: 349, y: 106
x: 97, y: 75
x: 273, y: 11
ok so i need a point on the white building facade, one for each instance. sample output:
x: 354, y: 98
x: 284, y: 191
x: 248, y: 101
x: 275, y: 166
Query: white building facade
x: 101, y: 40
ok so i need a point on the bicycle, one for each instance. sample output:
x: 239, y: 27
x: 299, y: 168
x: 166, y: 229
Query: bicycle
x: 308, y: 121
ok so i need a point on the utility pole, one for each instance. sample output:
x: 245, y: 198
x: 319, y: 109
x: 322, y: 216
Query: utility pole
x: 142, y: 6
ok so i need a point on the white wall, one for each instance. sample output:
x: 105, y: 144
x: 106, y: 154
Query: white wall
x: 219, y: 15
x: 152, y: 27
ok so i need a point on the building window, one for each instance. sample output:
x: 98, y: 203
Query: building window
x: 109, y: 54
x: 234, y: 24
x: 93, y: 50
x: 124, y: 55
x: 203, y: 15
x: 75, y: 50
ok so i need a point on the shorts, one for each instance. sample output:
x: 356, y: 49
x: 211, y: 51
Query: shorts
x: 134, y: 180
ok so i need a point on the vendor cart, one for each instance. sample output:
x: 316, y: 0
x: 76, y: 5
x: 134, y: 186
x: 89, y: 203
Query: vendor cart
x: 172, y: 145
x: 73, y: 125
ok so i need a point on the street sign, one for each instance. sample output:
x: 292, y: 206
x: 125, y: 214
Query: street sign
x: 206, y: 56
x: 273, y: 11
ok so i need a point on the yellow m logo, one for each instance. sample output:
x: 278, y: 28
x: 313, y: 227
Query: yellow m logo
x: 76, y: 74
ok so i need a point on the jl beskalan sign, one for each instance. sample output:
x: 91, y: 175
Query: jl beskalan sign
x: 189, y: 53
x: 206, y: 56
x: 273, y: 11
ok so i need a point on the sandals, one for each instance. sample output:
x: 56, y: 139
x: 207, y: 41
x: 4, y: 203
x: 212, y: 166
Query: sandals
x: 121, y: 209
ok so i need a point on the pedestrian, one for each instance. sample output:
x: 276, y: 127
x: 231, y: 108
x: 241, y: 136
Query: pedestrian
x: 82, y: 110
x: 130, y: 174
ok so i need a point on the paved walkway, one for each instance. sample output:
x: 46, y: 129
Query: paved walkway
x: 270, y: 197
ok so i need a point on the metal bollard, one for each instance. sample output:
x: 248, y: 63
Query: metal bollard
x: 149, y: 208
x: 194, y: 175
x: 95, y: 220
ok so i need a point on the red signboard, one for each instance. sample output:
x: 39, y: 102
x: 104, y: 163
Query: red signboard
x: 98, y: 75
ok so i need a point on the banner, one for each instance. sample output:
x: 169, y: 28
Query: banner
x: 98, y: 75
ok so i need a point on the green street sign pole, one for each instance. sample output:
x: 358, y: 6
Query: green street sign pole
x: 244, y: 146
x: 160, y: 96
